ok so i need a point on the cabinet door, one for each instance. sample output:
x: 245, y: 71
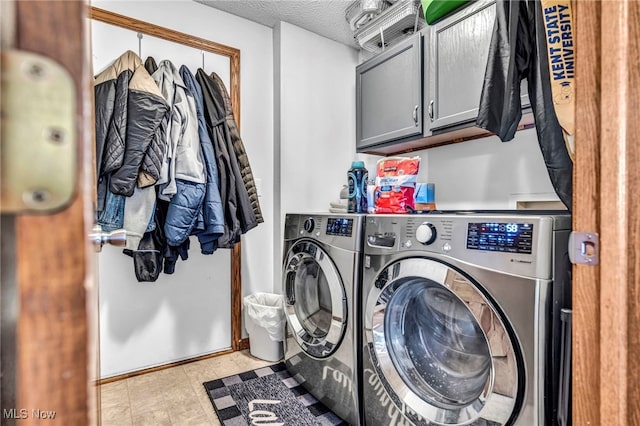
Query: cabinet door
x: 459, y: 46
x: 389, y: 94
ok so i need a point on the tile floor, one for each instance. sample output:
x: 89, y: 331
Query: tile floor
x: 171, y: 397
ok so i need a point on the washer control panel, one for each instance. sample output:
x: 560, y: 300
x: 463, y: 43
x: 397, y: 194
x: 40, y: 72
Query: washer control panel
x: 340, y: 231
x: 516, y: 243
x: 509, y: 237
x: 339, y: 226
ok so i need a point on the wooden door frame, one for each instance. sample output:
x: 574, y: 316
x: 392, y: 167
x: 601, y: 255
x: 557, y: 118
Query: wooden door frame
x: 112, y: 18
x: 606, y: 298
x: 51, y: 256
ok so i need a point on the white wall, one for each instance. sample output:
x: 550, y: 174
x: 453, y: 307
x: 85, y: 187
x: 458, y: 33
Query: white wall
x: 188, y: 314
x: 315, y: 112
x: 317, y: 118
x: 485, y: 174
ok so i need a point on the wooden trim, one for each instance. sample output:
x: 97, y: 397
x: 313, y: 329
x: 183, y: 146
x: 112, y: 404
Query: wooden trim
x: 586, y: 286
x: 236, y: 253
x: 619, y: 185
x: 243, y: 344
x: 161, y: 367
x: 236, y: 297
x: 606, y: 298
x: 613, y: 195
x: 53, y: 335
x: 162, y: 32
x: 234, y: 92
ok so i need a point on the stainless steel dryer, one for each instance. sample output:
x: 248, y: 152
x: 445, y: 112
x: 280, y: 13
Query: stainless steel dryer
x: 321, y: 276
x: 461, y: 316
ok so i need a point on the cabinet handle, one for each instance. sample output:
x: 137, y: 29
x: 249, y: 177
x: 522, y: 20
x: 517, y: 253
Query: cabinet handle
x: 415, y: 114
x: 431, y: 110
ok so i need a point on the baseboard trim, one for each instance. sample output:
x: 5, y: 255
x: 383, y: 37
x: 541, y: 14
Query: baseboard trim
x: 169, y: 365
x: 243, y: 344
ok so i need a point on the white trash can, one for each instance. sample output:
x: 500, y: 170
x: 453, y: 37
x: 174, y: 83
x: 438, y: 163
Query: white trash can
x: 264, y: 321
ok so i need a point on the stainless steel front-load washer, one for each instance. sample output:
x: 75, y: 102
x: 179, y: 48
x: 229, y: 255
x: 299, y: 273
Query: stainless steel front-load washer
x: 461, y: 318
x: 321, y: 276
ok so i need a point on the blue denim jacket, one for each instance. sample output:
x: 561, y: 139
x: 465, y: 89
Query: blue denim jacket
x: 112, y: 215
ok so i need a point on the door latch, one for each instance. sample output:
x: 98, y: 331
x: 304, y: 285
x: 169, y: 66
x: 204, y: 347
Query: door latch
x: 37, y: 124
x: 99, y: 238
x: 584, y: 248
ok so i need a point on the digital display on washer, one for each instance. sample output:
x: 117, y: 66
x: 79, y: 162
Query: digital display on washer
x: 339, y: 226
x: 504, y: 237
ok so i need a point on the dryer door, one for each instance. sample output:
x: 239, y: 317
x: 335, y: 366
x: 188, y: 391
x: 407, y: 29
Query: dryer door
x: 315, y: 299
x: 439, y: 346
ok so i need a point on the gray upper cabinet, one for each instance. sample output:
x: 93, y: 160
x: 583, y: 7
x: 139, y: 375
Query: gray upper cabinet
x: 426, y: 90
x: 458, y: 50
x: 389, y: 95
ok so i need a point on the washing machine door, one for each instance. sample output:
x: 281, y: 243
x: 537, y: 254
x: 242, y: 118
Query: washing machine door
x: 315, y: 299
x: 439, y: 346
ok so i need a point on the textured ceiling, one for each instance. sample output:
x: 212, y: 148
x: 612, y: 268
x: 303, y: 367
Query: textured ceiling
x: 324, y: 17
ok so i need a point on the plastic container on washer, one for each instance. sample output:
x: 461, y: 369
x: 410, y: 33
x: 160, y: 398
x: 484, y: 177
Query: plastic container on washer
x: 357, y: 178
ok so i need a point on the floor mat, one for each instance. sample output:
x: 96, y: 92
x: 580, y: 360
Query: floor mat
x: 268, y: 395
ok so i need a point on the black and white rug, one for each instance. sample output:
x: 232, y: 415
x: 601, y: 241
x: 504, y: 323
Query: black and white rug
x: 268, y: 395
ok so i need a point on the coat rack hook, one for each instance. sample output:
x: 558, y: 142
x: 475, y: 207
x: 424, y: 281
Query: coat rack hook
x: 202, y: 52
x: 140, y: 45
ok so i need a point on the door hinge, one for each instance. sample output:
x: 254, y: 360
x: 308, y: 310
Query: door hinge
x: 37, y: 125
x: 584, y: 248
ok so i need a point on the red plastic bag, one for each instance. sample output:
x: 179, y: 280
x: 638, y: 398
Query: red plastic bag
x: 395, y: 184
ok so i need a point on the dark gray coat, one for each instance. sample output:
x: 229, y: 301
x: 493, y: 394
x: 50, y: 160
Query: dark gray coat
x: 238, y: 148
x: 238, y: 214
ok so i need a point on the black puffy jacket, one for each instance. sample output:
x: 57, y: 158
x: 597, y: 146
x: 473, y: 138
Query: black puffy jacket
x: 129, y: 109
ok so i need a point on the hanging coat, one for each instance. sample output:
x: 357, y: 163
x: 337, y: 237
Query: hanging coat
x: 183, y: 177
x: 519, y: 50
x: 149, y: 256
x: 150, y: 65
x: 129, y: 110
x: 212, y: 214
x: 183, y: 158
x: 238, y: 148
x: 238, y: 214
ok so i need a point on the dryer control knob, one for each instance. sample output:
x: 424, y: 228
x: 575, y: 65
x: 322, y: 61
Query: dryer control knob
x: 426, y: 233
x: 309, y: 224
